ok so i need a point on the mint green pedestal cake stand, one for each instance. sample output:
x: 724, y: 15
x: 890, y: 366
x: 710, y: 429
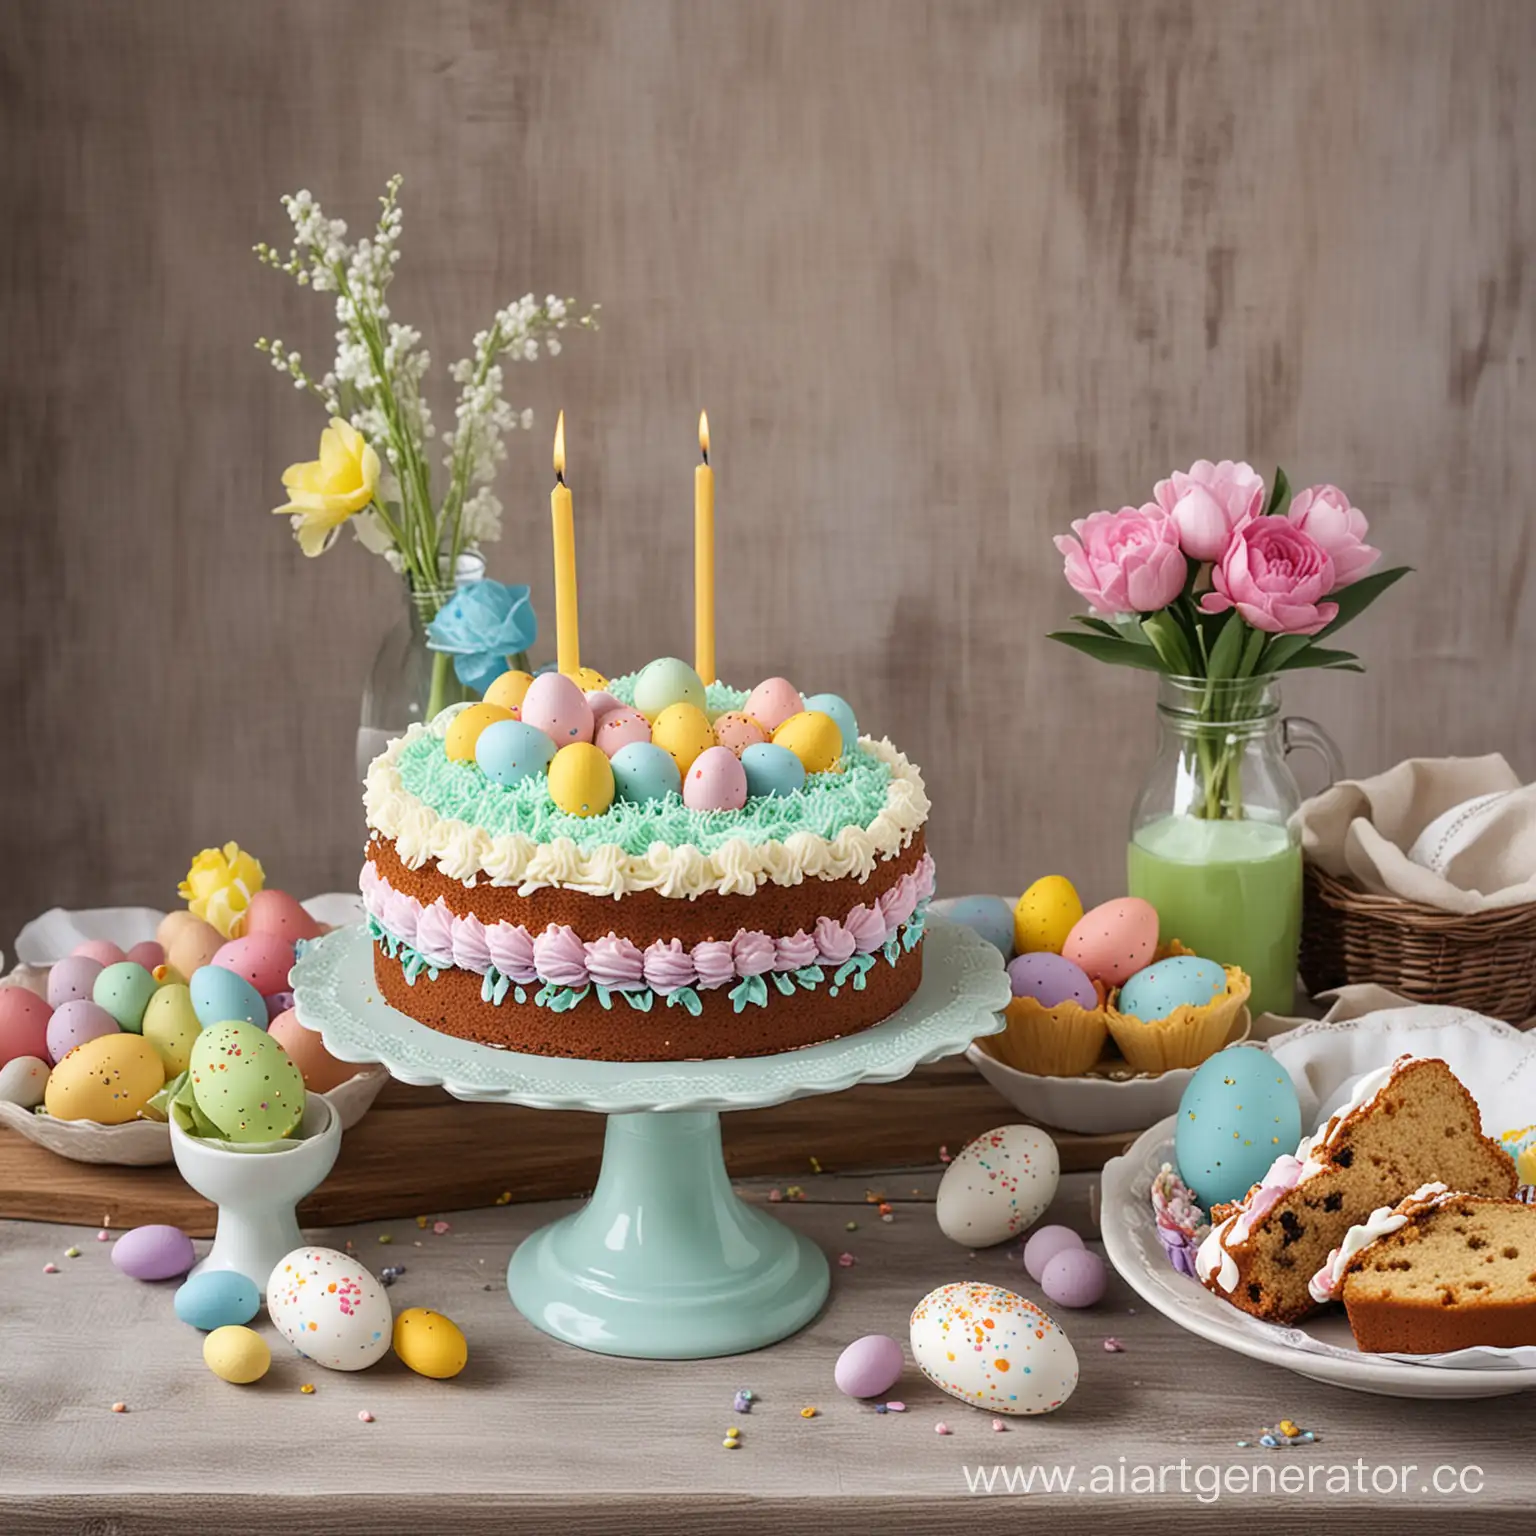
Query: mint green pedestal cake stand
x: 664, y: 1262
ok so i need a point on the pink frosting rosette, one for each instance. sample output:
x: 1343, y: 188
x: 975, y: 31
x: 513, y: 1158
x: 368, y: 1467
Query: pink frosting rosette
x: 834, y: 943
x: 925, y: 877
x: 615, y: 962
x: 470, y: 950
x: 668, y: 966
x: 899, y: 903
x: 752, y: 952
x: 713, y: 960
x: 399, y: 913
x: 867, y: 925
x: 561, y: 957
x: 434, y: 934
x: 794, y: 953
x: 511, y: 950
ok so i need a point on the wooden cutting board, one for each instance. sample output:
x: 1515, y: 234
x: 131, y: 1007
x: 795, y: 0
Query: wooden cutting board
x: 418, y: 1152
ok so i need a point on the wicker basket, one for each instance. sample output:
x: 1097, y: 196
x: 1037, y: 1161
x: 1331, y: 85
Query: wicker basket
x: 1486, y: 962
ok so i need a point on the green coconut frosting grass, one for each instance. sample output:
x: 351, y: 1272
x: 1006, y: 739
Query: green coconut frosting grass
x: 828, y: 803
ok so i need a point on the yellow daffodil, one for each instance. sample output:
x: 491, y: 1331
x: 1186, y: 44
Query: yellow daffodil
x: 324, y: 493
x: 219, y: 887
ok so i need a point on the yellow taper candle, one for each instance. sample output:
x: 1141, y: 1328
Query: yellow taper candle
x: 567, y: 630
x: 704, y: 560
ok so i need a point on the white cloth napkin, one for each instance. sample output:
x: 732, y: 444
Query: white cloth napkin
x: 1457, y: 833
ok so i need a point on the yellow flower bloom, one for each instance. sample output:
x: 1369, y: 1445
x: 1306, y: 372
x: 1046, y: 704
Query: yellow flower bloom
x: 324, y: 493
x: 219, y: 887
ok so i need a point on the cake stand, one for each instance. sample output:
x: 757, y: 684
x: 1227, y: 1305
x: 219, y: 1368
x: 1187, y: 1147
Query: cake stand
x: 664, y: 1261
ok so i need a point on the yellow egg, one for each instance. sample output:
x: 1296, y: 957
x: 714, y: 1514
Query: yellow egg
x: 464, y: 730
x: 813, y: 737
x: 108, y: 1080
x: 170, y: 1025
x: 508, y: 690
x: 236, y: 1354
x: 589, y: 679
x: 1046, y: 913
x: 430, y: 1343
x: 580, y: 779
x: 682, y: 731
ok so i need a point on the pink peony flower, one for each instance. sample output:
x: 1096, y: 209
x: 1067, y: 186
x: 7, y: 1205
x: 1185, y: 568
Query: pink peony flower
x: 1209, y: 504
x: 1324, y: 512
x: 1276, y: 576
x: 1126, y: 561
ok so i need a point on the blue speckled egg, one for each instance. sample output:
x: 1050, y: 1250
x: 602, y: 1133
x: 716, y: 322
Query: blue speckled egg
x: 216, y: 1298
x: 220, y: 997
x: 642, y: 771
x: 1155, y: 992
x: 772, y: 770
x: 1238, y: 1114
x: 841, y: 711
x: 509, y: 751
x: 990, y: 916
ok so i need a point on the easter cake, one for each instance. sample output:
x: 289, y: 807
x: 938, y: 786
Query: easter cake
x: 1406, y: 1125
x: 645, y: 870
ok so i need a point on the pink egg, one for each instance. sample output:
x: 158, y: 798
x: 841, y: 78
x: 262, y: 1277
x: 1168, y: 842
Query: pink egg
x: 73, y: 1024
x: 772, y: 702
x: 305, y: 1048
x: 72, y: 978
x: 279, y: 914
x: 24, y: 1020
x: 149, y: 954
x: 262, y: 959
x: 1076, y: 1277
x: 102, y: 951
x: 739, y: 731
x: 619, y: 728
x: 556, y: 706
x: 1115, y: 940
x: 600, y: 701
x: 715, y: 782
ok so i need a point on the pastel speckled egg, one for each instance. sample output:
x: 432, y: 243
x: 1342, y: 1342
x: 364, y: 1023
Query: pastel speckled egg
x: 262, y: 959
x: 466, y: 726
x: 73, y: 978
x: 24, y: 1081
x: 102, y: 951
x: 1115, y: 940
x: 1075, y: 1277
x: 990, y: 916
x: 1051, y: 979
x: 999, y: 1184
x: 1182, y: 980
x: 773, y: 701
x: 1046, y: 913
x: 219, y: 996
x: 149, y: 953
x: 682, y: 731
x: 737, y: 731
x: 306, y: 1050
x: 772, y: 770
x: 430, y: 1344
x: 841, y: 711
x: 154, y: 1252
x: 992, y: 1349
x: 510, y: 751
x: 620, y: 728
x: 1238, y: 1113
x: 509, y: 690
x: 589, y: 680
x: 279, y: 914
x: 581, y: 781
x: 194, y: 944
x: 1044, y: 1244
x: 716, y: 781
x: 665, y: 682
x: 600, y: 701
x: 869, y: 1367
x: 124, y: 990
x: 814, y: 738
x: 173, y: 922
x: 556, y: 706
x: 643, y: 772
x: 245, y: 1084
x: 108, y: 1080
x: 74, y: 1023
x: 330, y: 1308
x: 237, y: 1355
x: 171, y: 1026
x: 217, y: 1298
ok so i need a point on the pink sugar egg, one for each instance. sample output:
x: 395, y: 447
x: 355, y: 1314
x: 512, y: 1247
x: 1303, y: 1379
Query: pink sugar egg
x: 72, y: 978
x: 102, y: 951
x: 618, y: 728
x: 262, y: 959
x: 280, y: 915
x: 1114, y: 941
x: 24, y: 1020
x: 149, y: 954
x: 305, y: 1048
x: 600, y: 701
x: 556, y: 706
x: 193, y: 945
x: 738, y: 731
x: 715, y: 781
x: 772, y: 702
x: 73, y: 1024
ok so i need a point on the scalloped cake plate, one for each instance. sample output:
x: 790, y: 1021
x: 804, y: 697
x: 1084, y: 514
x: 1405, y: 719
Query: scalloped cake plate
x: 960, y: 997
x: 1322, y: 1351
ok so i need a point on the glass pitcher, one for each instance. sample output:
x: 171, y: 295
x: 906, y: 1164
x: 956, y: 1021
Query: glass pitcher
x: 1212, y: 843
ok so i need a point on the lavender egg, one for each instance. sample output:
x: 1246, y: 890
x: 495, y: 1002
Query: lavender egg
x: 73, y: 979
x: 556, y: 706
x: 1051, y: 979
x: 154, y: 1253
x: 75, y: 1022
x: 870, y: 1366
x: 1075, y: 1278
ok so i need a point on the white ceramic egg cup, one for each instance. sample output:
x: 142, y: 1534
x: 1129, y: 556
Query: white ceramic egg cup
x: 258, y: 1193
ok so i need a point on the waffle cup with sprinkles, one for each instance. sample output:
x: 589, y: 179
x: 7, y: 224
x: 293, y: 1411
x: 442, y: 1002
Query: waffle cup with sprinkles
x: 1181, y: 1037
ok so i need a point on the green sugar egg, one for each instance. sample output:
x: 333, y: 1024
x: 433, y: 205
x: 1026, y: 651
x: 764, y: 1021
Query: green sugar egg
x: 244, y: 1083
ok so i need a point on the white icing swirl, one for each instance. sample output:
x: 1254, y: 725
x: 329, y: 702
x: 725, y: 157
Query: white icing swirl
x: 1212, y: 1258
x: 1382, y: 1222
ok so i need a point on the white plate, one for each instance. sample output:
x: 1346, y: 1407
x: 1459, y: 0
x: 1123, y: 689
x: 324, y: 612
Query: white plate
x: 1131, y: 1242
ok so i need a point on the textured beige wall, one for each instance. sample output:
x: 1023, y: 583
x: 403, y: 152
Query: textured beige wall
x: 945, y: 275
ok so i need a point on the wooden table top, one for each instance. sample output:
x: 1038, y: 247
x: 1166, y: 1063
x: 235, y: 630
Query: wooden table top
x: 538, y: 1436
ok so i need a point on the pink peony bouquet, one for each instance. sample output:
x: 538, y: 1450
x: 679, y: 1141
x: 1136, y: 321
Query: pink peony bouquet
x: 1212, y: 579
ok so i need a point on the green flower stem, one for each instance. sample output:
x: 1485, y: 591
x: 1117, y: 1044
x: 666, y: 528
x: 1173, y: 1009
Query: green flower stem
x: 437, y: 696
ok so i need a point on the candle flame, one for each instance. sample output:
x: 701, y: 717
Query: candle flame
x: 704, y: 435
x: 560, y: 447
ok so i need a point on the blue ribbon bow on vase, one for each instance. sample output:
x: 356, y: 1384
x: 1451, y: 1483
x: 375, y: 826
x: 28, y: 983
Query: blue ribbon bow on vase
x: 486, y: 627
